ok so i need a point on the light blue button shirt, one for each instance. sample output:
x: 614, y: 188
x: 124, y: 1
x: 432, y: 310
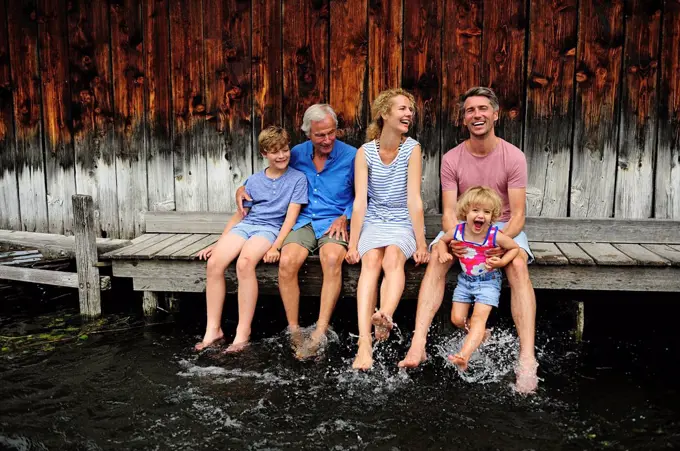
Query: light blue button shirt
x: 331, y: 191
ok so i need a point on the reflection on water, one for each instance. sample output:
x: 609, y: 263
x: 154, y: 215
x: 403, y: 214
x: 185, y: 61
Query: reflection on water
x: 144, y: 388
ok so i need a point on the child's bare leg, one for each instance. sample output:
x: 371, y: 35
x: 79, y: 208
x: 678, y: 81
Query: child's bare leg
x: 366, y: 300
x: 459, y: 314
x: 475, y: 336
x: 251, y: 255
x: 391, y: 289
x: 226, y: 250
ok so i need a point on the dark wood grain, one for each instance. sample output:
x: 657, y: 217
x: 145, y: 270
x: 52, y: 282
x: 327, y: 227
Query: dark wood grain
x: 385, y: 46
x: 550, y: 105
x: 422, y: 75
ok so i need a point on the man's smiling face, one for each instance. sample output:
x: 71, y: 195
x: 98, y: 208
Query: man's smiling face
x: 479, y: 116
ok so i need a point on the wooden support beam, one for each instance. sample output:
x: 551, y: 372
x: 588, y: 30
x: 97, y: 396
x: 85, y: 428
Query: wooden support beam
x: 150, y: 303
x: 89, y: 294
x: 47, y: 277
x: 580, y: 321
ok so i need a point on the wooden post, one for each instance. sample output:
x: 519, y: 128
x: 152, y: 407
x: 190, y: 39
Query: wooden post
x: 172, y: 302
x: 86, y: 256
x: 150, y: 303
x: 580, y: 321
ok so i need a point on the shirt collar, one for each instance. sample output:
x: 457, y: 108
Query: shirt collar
x: 331, y: 156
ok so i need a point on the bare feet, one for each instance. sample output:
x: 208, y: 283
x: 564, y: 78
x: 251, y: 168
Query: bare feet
x: 295, y: 338
x: 235, y: 348
x: 415, y: 356
x: 313, y: 347
x: 383, y: 325
x: 364, y: 359
x: 527, y: 380
x: 460, y: 361
x: 211, y: 338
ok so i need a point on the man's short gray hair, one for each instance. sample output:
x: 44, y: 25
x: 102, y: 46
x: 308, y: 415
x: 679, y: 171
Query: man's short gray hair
x: 315, y: 113
x: 479, y: 91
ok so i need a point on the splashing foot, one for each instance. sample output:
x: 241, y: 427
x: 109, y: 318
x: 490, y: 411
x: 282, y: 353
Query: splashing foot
x: 527, y: 380
x: 460, y: 361
x: 210, y: 339
x: 312, y: 347
x: 415, y: 356
x: 296, y: 339
x: 364, y: 359
x: 235, y: 348
x: 383, y: 325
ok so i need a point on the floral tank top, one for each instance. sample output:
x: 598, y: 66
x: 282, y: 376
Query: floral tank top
x: 473, y: 263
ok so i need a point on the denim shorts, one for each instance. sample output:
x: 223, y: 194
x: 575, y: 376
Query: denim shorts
x: 485, y: 289
x: 247, y: 231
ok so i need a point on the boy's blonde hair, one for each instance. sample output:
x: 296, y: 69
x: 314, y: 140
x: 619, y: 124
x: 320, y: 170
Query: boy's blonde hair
x: 382, y: 105
x: 480, y: 196
x: 272, y: 137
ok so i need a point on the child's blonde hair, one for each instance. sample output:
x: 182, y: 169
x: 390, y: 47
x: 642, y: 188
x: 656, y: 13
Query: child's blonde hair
x: 272, y: 137
x: 481, y: 196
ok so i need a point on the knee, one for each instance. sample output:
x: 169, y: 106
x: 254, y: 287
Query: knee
x: 245, y: 265
x: 457, y: 320
x: 288, y: 267
x: 392, y: 264
x: 215, y: 268
x: 371, y: 262
x: 331, y: 261
x: 517, y: 272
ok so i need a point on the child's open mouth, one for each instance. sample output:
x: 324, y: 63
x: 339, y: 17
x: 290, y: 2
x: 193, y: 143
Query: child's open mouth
x: 478, y: 224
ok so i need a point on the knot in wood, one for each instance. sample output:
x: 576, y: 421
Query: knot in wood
x: 513, y: 113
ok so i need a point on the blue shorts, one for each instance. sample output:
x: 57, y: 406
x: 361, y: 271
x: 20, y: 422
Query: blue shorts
x: 485, y: 289
x: 247, y: 231
x: 521, y: 240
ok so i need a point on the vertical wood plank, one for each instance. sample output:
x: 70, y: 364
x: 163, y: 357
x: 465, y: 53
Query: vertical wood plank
x: 127, y: 44
x: 550, y: 105
x: 385, y: 46
x: 667, y: 196
x: 92, y: 109
x: 30, y: 163
x: 422, y: 77
x: 461, y: 67
x: 267, y: 70
x: 226, y: 29
x: 349, y: 50
x: 598, y: 72
x: 503, y: 63
x: 56, y: 107
x: 305, y: 60
x: 10, y: 217
x: 635, y: 176
x: 85, y: 230
x: 188, y: 98
x: 157, y: 64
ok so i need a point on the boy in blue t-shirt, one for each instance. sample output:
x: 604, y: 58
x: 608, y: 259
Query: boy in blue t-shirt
x: 278, y: 194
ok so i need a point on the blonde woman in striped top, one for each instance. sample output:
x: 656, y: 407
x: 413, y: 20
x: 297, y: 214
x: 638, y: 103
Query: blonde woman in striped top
x: 387, y: 224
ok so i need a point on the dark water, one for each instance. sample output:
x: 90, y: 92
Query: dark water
x: 129, y: 386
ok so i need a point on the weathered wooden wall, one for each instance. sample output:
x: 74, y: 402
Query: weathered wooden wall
x: 156, y: 104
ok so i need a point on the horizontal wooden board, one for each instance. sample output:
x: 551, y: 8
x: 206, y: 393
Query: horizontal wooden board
x: 606, y: 254
x: 667, y: 252
x: 575, y: 254
x: 186, y: 241
x: 189, y: 276
x: 641, y: 255
x: 547, y: 254
x: 52, y: 245
x: 47, y: 277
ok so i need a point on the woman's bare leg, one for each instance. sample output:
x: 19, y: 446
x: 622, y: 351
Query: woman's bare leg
x: 371, y: 265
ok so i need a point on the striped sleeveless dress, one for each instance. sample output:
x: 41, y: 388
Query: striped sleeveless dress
x: 387, y: 220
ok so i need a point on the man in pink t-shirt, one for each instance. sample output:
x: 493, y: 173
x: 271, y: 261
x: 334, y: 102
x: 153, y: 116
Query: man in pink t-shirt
x: 483, y: 159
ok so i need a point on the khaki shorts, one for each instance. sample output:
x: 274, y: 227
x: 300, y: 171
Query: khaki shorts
x: 305, y: 237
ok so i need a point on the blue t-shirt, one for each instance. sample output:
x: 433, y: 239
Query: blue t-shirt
x: 271, y: 198
x: 331, y: 191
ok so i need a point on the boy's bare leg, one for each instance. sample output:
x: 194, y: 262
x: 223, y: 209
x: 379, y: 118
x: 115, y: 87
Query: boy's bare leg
x: 226, y: 250
x: 250, y: 256
x: 371, y: 265
x: 480, y: 314
x: 292, y: 258
x: 429, y: 300
x: 523, y: 306
x: 391, y: 289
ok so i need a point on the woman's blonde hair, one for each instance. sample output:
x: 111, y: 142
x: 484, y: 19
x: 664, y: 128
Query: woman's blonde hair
x: 479, y: 196
x: 382, y: 105
x: 272, y: 137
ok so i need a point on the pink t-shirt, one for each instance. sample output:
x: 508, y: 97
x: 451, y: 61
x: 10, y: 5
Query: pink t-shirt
x: 503, y: 168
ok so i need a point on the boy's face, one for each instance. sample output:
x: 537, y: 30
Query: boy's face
x: 278, y: 157
x: 322, y: 135
x: 479, y: 116
x: 479, y: 218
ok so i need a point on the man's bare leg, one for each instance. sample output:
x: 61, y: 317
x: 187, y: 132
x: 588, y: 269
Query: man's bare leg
x: 331, y: 255
x: 429, y: 300
x: 371, y: 266
x: 292, y: 258
x: 523, y: 307
x: 391, y: 289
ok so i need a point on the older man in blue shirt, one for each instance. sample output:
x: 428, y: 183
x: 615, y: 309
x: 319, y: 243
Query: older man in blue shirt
x: 328, y: 164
